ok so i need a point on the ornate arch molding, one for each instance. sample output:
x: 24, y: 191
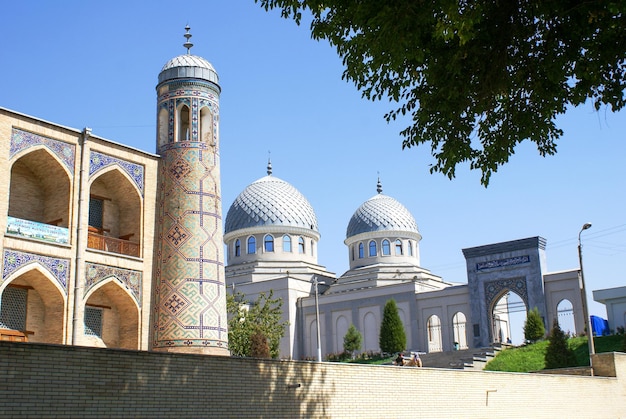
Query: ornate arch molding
x: 99, y: 161
x: 495, y: 289
x: 22, y: 140
x: 57, y: 267
x: 131, y: 280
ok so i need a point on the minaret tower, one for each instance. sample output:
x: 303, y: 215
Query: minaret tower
x: 189, y: 312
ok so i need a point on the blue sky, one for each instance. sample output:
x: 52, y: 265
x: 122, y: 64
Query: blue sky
x: 95, y: 64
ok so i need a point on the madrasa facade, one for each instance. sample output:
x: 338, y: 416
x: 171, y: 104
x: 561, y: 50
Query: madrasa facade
x: 108, y: 246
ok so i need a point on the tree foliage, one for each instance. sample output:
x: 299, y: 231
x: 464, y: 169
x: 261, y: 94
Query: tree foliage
x: 260, y: 322
x: 392, y: 337
x: 352, y: 340
x: 476, y: 77
x: 534, y: 328
x: 558, y: 353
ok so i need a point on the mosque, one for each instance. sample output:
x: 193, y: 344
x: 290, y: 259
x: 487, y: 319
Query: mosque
x: 105, y: 245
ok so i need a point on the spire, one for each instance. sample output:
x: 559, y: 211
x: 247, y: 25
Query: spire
x: 269, y: 166
x: 379, y: 186
x: 188, y: 44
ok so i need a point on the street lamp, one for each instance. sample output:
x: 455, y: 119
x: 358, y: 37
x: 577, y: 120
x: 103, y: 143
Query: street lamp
x: 584, y: 296
x: 317, y: 321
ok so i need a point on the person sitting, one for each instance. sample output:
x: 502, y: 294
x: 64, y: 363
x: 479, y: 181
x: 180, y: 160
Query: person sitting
x: 400, y: 360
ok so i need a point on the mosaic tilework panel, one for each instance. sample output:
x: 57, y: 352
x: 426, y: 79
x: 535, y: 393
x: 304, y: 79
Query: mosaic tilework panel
x: 58, y: 268
x: 99, y: 161
x: 196, y: 99
x: 493, y: 289
x: 130, y: 279
x: 21, y: 140
x: 190, y: 307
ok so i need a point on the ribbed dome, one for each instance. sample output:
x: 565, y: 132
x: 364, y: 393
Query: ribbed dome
x: 381, y: 213
x: 270, y: 201
x: 188, y: 66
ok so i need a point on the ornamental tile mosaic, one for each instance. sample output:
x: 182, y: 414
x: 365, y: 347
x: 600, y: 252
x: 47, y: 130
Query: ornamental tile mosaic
x: 132, y: 280
x: 190, y: 291
x: 99, y: 161
x: 22, y: 140
x: 494, y: 289
x: 59, y: 268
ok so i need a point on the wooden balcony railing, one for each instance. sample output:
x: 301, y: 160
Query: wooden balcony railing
x: 111, y: 244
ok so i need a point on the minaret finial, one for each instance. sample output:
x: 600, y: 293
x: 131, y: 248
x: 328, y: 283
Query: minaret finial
x: 188, y: 44
x: 379, y: 186
x: 269, y: 164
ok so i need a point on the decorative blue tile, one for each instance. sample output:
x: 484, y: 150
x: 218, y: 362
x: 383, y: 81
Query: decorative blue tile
x: 130, y: 279
x: 21, y: 140
x: 58, y: 268
x: 99, y: 161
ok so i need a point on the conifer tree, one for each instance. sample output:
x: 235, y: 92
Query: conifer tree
x: 392, y: 337
x: 533, y: 326
x: 352, y: 340
x: 558, y: 354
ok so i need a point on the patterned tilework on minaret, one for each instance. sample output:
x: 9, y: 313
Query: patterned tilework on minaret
x: 190, y: 295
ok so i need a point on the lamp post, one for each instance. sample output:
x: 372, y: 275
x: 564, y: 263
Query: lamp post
x: 583, y: 293
x: 317, y: 322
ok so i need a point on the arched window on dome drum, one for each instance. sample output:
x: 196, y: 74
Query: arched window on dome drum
x: 398, y: 247
x: 184, y: 127
x: 312, y: 250
x: 237, y: 247
x: 206, y: 126
x: 361, y: 251
x: 286, y: 243
x: 410, y: 247
x: 251, y: 245
x: 372, y: 248
x: 300, y: 245
x: 268, y: 243
x: 386, y: 248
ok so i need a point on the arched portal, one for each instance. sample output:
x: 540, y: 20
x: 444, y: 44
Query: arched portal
x: 459, y: 330
x: 433, y: 327
x: 33, y: 305
x: 341, y: 328
x: 111, y: 317
x: 370, y: 332
x: 565, y: 316
x: 508, y: 314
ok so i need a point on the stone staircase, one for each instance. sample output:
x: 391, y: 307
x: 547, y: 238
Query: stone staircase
x: 467, y: 359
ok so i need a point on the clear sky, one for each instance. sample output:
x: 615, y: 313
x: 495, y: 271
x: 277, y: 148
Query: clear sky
x: 95, y: 64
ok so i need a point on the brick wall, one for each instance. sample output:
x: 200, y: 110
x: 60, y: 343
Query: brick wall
x: 47, y: 380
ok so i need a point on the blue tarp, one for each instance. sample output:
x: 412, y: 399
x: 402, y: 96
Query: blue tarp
x: 599, y: 326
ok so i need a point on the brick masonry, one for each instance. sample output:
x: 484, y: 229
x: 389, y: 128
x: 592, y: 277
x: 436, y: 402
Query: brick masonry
x: 38, y: 380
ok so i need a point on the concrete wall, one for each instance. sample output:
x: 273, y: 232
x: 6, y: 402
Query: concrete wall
x: 39, y: 380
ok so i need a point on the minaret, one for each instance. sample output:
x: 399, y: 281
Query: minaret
x: 189, y: 312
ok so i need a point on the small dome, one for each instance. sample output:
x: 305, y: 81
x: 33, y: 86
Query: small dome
x: 270, y: 201
x: 381, y: 213
x: 188, y: 66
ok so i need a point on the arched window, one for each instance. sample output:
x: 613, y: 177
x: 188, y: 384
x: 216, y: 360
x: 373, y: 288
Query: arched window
x: 286, y: 243
x: 206, y: 126
x: 386, y: 247
x: 398, y: 247
x: 410, y: 247
x: 361, y: 251
x: 237, y: 248
x: 300, y: 245
x: 268, y: 243
x: 312, y: 250
x: 372, y: 248
x: 251, y: 245
x: 352, y: 251
x: 184, y: 128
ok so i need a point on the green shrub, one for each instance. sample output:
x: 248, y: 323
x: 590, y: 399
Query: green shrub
x: 534, y: 328
x: 392, y: 337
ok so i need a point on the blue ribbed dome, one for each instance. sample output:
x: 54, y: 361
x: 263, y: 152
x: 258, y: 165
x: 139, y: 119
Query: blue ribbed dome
x: 270, y: 201
x: 381, y: 213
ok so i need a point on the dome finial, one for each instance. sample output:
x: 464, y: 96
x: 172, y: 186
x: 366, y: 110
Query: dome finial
x: 188, y: 44
x: 379, y: 186
x: 269, y: 164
